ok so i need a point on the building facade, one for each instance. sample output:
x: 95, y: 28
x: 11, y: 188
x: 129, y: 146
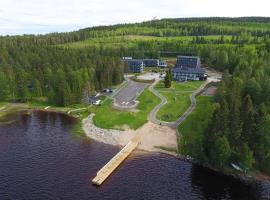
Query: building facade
x: 151, y: 62
x: 162, y: 64
x: 154, y: 63
x: 134, y: 65
x: 137, y: 65
x: 188, y: 68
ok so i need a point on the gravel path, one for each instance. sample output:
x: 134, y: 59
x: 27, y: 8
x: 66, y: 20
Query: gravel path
x: 153, y: 114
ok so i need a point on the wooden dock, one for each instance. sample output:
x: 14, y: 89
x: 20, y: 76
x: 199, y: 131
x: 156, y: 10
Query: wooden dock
x: 111, y: 166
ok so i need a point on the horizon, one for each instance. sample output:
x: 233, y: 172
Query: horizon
x: 124, y: 23
x: 37, y: 17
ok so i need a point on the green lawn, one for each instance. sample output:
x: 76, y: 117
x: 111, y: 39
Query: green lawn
x: 193, y: 128
x: 2, y: 104
x: 109, y: 118
x: 179, y: 87
x: 178, y: 97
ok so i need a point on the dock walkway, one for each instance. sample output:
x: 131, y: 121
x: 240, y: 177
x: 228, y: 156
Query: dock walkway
x: 108, y: 169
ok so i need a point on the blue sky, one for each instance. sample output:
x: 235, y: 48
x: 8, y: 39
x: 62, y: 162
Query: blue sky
x: 44, y: 16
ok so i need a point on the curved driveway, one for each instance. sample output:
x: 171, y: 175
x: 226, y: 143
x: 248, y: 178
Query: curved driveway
x: 153, y: 113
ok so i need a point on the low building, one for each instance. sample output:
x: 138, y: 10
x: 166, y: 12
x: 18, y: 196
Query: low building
x: 188, y: 68
x: 151, y: 62
x: 137, y: 65
x: 134, y: 65
x: 154, y: 63
x: 162, y: 64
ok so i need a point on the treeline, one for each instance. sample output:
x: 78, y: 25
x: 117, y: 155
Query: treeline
x: 188, y: 27
x: 255, y: 26
x: 63, y: 76
x: 239, y: 131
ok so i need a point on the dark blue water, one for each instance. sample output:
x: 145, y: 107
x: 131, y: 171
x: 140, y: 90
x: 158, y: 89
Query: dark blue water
x: 41, y: 159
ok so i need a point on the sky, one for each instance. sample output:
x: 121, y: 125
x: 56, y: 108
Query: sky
x: 44, y: 16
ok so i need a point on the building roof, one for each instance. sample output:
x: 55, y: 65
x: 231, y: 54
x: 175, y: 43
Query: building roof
x: 197, y: 70
x: 196, y: 57
x: 134, y: 63
x: 188, y: 61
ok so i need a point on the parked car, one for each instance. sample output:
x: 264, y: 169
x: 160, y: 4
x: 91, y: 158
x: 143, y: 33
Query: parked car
x: 107, y: 90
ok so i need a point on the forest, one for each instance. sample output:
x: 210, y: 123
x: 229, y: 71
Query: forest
x: 63, y: 68
x: 59, y: 76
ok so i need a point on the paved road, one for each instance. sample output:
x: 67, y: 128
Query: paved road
x: 153, y: 114
x: 126, y: 97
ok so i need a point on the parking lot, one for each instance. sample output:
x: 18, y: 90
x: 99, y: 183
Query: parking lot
x: 126, y: 97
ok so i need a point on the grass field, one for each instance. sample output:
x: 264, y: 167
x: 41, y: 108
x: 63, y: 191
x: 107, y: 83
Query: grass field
x: 178, y: 97
x: 109, y: 118
x: 114, y: 41
x: 193, y: 128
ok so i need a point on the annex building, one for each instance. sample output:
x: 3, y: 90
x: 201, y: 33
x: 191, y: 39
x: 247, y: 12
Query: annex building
x: 137, y: 65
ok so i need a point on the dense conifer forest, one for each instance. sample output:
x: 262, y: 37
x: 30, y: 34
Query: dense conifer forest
x: 62, y: 67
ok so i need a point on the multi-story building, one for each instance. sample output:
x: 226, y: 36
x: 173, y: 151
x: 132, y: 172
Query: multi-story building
x: 134, y: 65
x: 188, y: 68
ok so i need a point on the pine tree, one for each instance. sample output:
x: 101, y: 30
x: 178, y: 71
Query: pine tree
x: 246, y: 157
x: 220, y: 152
x: 235, y: 123
x: 167, y: 80
x: 4, y: 87
x: 261, y: 136
x: 222, y: 59
x: 248, y: 119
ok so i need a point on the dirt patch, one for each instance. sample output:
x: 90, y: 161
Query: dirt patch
x: 211, y: 91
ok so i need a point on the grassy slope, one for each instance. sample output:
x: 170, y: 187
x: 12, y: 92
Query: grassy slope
x: 193, y: 128
x: 109, y: 118
x: 113, y: 41
x: 178, y: 97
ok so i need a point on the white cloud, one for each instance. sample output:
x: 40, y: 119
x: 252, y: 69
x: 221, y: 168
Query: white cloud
x: 42, y: 16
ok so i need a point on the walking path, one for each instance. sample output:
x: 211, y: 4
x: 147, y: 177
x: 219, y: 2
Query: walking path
x: 153, y: 113
x: 79, y: 109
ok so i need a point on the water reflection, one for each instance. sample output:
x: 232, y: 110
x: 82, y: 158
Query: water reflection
x: 214, y: 185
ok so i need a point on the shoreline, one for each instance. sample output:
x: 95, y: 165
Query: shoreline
x: 153, y: 136
x: 117, y: 140
x: 121, y: 138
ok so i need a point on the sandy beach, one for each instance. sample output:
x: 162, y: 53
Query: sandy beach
x: 153, y: 136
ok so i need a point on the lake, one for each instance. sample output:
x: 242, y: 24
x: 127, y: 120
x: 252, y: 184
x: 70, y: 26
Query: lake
x: 40, y: 158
